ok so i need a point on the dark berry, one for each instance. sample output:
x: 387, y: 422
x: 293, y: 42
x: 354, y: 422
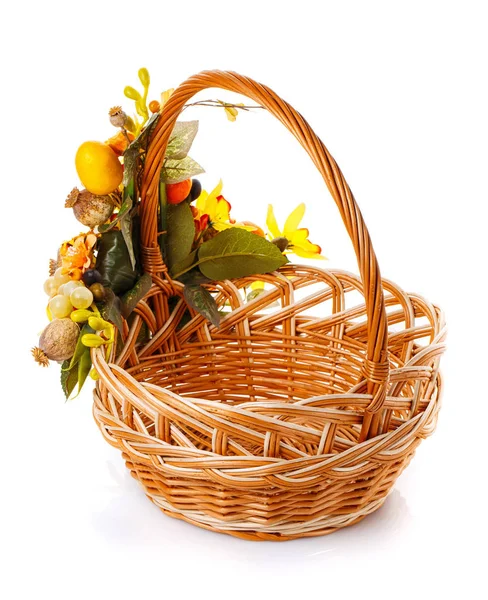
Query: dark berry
x: 91, y: 276
x: 98, y: 291
x: 196, y: 189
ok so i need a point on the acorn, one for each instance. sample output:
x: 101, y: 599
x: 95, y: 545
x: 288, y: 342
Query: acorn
x: 89, y: 209
x: 57, y: 342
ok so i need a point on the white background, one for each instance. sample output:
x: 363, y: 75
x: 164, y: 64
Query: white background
x: 397, y: 91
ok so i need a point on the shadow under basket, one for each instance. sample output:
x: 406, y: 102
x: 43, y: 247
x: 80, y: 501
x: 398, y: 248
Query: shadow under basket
x: 296, y: 415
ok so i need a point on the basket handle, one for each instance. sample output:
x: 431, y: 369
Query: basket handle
x: 375, y: 367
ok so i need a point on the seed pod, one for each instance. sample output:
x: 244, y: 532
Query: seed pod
x: 117, y: 116
x: 131, y: 93
x: 81, y: 315
x: 92, y: 340
x: 144, y: 77
x: 98, y: 324
x: 92, y: 210
x: 58, y: 340
x: 281, y: 242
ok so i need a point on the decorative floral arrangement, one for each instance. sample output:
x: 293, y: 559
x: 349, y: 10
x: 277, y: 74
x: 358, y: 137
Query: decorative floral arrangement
x: 96, y: 280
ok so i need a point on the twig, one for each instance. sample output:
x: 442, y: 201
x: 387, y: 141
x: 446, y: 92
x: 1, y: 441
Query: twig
x: 217, y: 104
x: 124, y: 131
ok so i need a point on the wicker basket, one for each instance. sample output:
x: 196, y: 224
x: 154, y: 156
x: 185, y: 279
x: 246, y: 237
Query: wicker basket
x: 283, y: 422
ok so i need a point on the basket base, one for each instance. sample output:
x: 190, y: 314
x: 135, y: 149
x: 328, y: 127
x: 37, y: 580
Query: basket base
x: 246, y: 530
x: 262, y: 536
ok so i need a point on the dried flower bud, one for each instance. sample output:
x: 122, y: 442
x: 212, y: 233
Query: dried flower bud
x: 281, y: 242
x: 117, y: 116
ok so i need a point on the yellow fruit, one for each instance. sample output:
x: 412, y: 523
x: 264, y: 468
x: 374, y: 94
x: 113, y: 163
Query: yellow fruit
x: 98, y: 168
x: 92, y: 340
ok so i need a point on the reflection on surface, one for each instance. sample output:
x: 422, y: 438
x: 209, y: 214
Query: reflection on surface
x: 127, y: 517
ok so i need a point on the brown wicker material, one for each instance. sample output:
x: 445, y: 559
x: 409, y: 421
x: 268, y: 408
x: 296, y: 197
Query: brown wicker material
x: 296, y: 415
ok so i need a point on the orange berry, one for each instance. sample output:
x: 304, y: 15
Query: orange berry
x: 76, y: 274
x: 154, y: 106
x: 177, y: 192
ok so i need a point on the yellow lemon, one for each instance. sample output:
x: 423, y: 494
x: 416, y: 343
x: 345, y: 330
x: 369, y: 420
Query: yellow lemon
x: 98, y: 168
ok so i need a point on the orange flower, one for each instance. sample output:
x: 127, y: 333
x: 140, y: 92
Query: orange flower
x: 119, y: 142
x: 77, y: 255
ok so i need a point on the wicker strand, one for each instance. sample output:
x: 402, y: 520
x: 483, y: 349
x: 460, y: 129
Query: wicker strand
x: 153, y: 261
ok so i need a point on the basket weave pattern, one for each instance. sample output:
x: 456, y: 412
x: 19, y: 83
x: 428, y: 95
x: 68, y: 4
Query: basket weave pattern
x: 294, y: 417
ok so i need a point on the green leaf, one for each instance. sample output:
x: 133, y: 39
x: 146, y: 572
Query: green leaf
x: 144, y: 334
x: 136, y: 237
x: 84, y: 367
x: 201, y: 300
x: 174, y: 171
x: 181, y: 139
x: 126, y: 229
x: 111, y: 310
x: 124, y: 210
x: 136, y: 147
x: 183, y: 266
x: 131, y: 298
x: 194, y: 277
x: 238, y: 253
x: 69, y: 379
x: 114, y: 262
x: 80, y: 348
x: 181, y: 232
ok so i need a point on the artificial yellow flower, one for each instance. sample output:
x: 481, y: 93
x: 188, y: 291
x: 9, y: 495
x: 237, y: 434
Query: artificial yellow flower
x: 231, y: 113
x: 213, y: 210
x: 216, y: 207
x: 165, y: 96
x: 298, y: 242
